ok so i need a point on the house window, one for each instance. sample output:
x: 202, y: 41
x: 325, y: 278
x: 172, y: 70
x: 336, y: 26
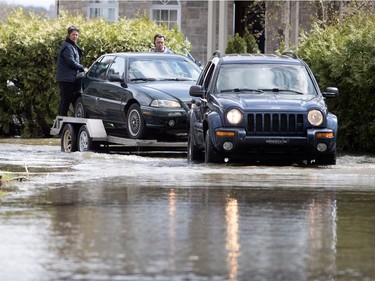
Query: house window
x: 166, y: 12
x: 106, y: 9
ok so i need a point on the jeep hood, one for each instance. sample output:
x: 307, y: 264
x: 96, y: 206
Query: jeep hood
x: 270, y: 101
x: 167, y: 89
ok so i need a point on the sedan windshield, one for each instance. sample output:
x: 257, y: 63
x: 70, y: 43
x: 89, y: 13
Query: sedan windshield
x: 268, y: 78
x: 143, y: 69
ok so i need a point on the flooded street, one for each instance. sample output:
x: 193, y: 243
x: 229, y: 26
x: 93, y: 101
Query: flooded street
x: 92, y: 216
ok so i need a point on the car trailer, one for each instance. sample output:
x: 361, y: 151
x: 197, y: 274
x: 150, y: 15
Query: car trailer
x: 85, y: 134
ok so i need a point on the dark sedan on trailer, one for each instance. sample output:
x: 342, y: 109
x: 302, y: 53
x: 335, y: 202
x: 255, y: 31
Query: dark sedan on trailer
x: 138, y: 92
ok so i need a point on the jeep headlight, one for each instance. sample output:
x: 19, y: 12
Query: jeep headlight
x: 315, y: 117
x: 165, y: 103
x: 234, y: 116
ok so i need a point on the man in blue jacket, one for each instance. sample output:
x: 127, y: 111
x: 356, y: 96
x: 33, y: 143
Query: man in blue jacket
x: 68, y: 67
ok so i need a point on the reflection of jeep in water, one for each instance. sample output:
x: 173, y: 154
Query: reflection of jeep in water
x: 261, y: 107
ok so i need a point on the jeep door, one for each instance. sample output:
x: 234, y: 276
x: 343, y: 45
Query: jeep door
x: 203, y: 81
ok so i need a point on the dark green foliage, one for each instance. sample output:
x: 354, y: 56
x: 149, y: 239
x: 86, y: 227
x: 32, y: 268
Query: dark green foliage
x: 236, y: 45
x: 242, y: 45
x: 29, y: 46
x: 251, y: 43
x: 343, y: 56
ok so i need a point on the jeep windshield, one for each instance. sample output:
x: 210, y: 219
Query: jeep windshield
x: 280, y: 79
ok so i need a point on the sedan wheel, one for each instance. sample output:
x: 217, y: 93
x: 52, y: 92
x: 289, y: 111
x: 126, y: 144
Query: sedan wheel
x: 193, y: 153
x: 79, y: 109
x: 135, y: 122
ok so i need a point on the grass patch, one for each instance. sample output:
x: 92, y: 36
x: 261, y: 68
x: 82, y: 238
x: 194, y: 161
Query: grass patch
x: 8, y: 181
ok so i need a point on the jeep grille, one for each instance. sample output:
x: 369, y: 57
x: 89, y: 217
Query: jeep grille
x: 271, y: 123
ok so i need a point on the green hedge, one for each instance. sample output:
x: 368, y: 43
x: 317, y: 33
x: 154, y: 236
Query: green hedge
x: 29, y: 45
x: 343, y: 55
x: 242, y: 45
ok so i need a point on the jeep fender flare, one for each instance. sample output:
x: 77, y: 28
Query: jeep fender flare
x: 332, y: 123
x: 212, y: 121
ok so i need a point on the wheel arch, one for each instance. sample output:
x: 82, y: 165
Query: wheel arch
x: 76, y: 126
x: 76, y: 95
x: 128, y: 105
x: 211, y: 121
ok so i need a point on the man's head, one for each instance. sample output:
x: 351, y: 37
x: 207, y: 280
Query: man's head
x: 159, y: 42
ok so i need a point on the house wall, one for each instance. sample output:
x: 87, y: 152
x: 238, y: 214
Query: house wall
x: 284, y: 21
x: 194, y: 22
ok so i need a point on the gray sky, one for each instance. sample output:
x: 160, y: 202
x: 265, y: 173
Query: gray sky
x: 40, y: 3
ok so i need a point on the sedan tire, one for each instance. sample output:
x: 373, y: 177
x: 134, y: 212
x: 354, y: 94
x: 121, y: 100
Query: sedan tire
x: 79, y: 109
x: 193, y: 153
x: 135, y: 122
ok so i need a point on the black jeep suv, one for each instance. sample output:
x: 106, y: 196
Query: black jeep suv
x: 259, y: 107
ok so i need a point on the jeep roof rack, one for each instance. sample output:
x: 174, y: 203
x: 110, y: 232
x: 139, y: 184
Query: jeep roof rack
x: 290, y: 54
x: 216, y: 54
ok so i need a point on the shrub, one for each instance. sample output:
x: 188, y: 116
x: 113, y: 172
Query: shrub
x: 236, y: 45
x: 342, y: 55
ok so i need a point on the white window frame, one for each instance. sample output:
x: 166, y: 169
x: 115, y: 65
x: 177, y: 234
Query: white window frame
x: 166, y: 5
x: 103, y: 5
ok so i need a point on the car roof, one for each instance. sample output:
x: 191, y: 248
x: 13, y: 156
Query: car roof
x: 257, y: 58
x: 143, y: 54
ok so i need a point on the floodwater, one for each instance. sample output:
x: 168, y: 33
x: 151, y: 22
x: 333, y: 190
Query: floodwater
x: 90, y: 216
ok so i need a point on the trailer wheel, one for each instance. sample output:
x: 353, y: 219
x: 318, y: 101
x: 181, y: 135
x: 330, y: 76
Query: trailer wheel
x: 79, y: 109
x: 84, y: 141
x: 68, y: 139
x: 135, y: 122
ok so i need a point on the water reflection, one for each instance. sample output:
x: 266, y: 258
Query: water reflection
x: 322, y: 234
x: 87, y: 216
x: 232, y: 240
x: 172, y: 230
x: 112, y: 229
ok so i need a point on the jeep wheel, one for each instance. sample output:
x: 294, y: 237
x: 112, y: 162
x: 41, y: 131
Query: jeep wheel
x: 210, y: 155
x: 329, y: 159
x: 68, y: 139
x: 135, y: 122
x: 193, y: 153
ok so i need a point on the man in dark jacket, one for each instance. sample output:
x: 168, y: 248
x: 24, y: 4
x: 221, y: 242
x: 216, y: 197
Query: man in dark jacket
x: 159, y: 46
x: 68, y: 67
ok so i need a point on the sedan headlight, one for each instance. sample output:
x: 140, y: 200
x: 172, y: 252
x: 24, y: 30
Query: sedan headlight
x: 315, y: 117
x: 165, y: 103
x: 234, y: 116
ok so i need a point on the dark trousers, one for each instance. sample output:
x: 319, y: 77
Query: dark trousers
x: 67, y: 90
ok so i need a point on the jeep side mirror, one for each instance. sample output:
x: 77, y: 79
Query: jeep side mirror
x: 330, y: 92
x: 197, y: 91
x: 115, y: 77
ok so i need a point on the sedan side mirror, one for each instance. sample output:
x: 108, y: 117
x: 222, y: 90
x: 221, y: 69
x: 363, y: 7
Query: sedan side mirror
x: 331, y: 92
x: 197, y: 91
